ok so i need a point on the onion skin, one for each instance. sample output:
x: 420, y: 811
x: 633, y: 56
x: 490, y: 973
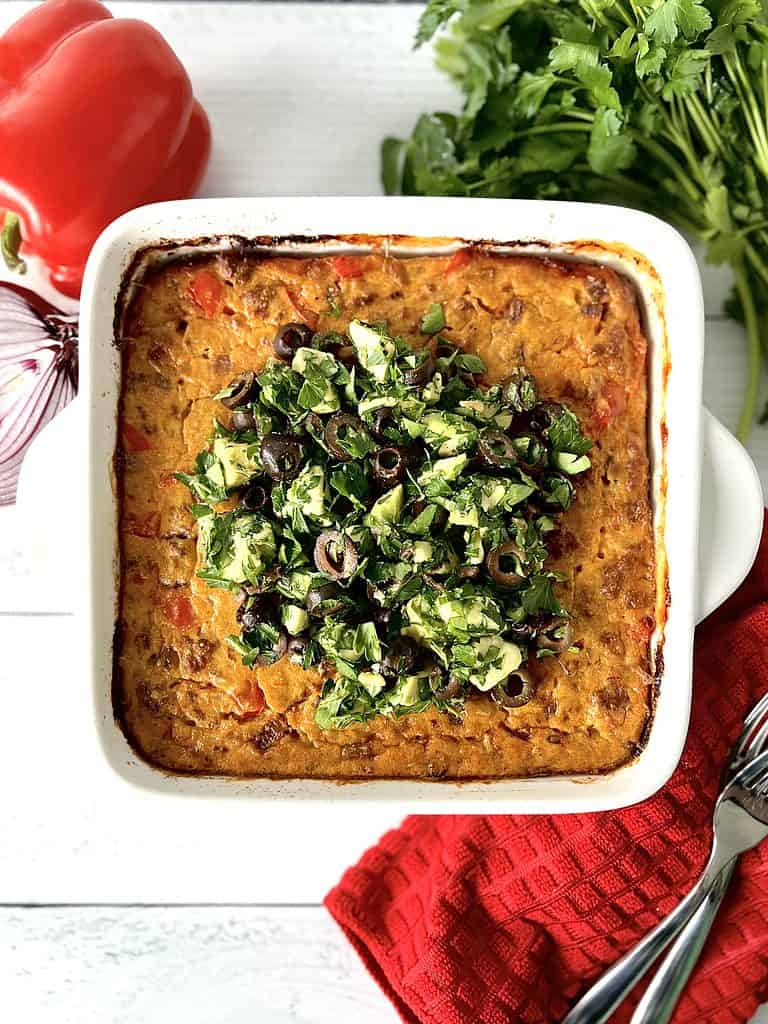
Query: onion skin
x: 38, y: 376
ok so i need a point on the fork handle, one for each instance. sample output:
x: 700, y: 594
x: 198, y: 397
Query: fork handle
x: 608, y: 991
x: 660, y: 998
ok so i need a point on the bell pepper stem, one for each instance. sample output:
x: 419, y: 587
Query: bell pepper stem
x: 10, y: 243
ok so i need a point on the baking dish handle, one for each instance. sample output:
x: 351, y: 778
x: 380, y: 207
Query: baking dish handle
x: 731, y: 523
x: 50, y: 504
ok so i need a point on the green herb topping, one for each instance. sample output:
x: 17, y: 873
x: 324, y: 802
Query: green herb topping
x: 392, y: 519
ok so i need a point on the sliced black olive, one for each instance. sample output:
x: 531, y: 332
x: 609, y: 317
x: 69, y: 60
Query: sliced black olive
x: 556, y: 636
x: 497, y: 449
x: 391, y: 464
x: 281, y: 456
x: 556, y: 492
x: 346, y: 355
x: 314, y: 425
x: 493, y: 561
x: 521, y: 632
x: 545, y: 414
x: 381, y: 616
x: 244, y: 388
x: 520, y: 390
x: 281, y: 647
x: 243, y: 419
x: 338, y: 428
x: 256, y: 609
x: 297, y: 648
x: 454, y: 687
x: 335, y: 555
x: 516, y: 690
x: 377, y: 611
x: 531, y: 452
x: 291, y: 337
x: 420, y: 375
x: 256, y: 495
x: 385, y: 427
x: 400, y: 658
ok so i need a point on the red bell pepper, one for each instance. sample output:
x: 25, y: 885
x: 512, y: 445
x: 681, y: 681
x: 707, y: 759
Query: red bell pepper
x: 97, y: 116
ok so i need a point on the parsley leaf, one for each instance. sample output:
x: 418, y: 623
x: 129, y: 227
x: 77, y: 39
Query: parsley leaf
x: 433, y: 320
x: 565, y: 435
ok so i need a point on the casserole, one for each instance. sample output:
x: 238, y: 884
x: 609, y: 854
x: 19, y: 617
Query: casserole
x: 663, y: 270
x: 449, y: 710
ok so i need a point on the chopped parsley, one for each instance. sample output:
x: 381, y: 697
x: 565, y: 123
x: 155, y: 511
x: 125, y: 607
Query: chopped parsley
x: 385, y: 518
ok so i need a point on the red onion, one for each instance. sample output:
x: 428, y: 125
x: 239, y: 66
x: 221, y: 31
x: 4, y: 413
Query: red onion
x: 38, y: 375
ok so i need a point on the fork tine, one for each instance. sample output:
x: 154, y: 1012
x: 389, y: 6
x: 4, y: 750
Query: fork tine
x: 747, y: 744
x: 753, y: 774
x: 757, y: 711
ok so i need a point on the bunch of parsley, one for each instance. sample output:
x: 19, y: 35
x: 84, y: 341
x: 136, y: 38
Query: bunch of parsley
x: 658, y: 104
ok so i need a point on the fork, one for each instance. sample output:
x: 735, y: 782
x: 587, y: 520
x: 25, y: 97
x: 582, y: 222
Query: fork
x: 740, y: 822
x: 660, y: 998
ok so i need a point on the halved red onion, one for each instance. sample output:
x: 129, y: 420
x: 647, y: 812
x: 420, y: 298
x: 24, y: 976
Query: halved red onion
x: 38, y: 375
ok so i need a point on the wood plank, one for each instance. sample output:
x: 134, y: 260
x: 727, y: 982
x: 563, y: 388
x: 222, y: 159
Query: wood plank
x: 200, y: 965
x: 192, y: 964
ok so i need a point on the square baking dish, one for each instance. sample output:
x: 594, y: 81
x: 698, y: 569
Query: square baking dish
x: 664, y: 272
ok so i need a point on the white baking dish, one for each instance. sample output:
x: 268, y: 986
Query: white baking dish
x: 663, y: 269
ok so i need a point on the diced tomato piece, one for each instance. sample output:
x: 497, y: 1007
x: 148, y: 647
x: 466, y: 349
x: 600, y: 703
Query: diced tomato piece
x: 252, y: 701
x: 611, y: 403
x: 167, y: 479
x: 179, y: 611
x: 143, y: 526
x: 207, y: 292
x: 616, y: 396
x: 347, y: 266
x: 459, y: 259
x: 309, y: 316
x: 641, y: 632
x: 134, y: 440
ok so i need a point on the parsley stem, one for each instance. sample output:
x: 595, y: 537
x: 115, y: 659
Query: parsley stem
x: 666, y: 158
x: 703, y: 122
x: 557, y: 126
x: 749, y: 408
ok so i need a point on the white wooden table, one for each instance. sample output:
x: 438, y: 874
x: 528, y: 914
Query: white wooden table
x: 299, y: 98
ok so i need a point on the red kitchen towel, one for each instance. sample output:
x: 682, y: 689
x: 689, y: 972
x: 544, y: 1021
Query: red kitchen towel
x: 506, y: 919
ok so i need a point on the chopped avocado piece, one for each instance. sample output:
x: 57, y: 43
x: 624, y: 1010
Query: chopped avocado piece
x: 375, y: 350
x: 234, y: 549
x: 495, y: 659
x: 377, y: 402
x: 406, y: 692
x: 295, y: 585
x: 387, y: 509
x: 315, y: 360
x: 239, y: 461
x: 448, y: 433
x: 294, y: 619
x: 372, y: 682
x: 307, y: 494
x: 571, y: 464
x: 422, y: 551
x: 444, y: 469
